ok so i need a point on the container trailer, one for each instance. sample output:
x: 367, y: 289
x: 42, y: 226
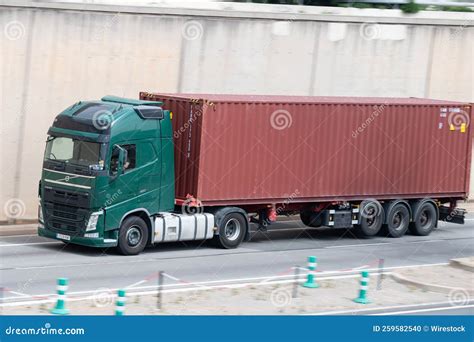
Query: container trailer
x: 129, y: 173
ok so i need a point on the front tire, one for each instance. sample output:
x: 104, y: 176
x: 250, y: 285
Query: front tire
x: 232, y: 229
x: 133, y: 236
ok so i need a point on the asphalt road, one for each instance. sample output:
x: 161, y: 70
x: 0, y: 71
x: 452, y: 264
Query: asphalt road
x: 31, y: 264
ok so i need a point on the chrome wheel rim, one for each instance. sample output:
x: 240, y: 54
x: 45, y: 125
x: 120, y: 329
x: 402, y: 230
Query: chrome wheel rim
x: 134, y: 236
x: 232, y: 229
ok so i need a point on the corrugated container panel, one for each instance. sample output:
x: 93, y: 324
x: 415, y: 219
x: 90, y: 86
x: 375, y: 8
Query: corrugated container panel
x: 264, y: 149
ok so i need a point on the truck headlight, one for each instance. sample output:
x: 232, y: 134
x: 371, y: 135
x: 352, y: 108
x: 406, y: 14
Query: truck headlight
x: 40, y: 212
x: 92, y: 222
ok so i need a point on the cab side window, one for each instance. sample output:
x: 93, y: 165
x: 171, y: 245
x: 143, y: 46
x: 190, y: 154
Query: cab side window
x: 131, y: 158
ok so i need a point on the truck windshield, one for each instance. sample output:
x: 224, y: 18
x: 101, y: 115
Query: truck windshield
x: 73, y: 151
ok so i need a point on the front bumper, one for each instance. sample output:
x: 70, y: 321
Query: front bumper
x: 79, y: 240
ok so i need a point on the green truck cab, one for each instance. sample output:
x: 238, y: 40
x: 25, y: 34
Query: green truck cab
x: 106, y: 162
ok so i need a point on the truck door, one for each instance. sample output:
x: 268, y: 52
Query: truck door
x: 124, y: 186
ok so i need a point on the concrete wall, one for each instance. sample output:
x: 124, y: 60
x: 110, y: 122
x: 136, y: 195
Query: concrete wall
x: 52, y: 55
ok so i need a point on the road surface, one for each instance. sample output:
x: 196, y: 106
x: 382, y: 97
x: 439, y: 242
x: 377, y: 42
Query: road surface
x: 31, y: 264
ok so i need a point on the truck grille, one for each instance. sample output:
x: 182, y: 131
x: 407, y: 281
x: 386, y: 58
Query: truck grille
x: 67, y: 197
x: 65, y: 219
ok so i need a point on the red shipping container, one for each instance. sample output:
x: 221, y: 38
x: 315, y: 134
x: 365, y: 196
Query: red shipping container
x: 245, y: 149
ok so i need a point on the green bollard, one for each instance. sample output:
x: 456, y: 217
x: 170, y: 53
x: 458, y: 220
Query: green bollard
x: 364, y: 286
x: 60, y: 308
x: 120, y: 304
x: 310, y: 281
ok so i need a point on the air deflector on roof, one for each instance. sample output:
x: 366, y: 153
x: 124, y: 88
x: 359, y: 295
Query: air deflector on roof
x: 149, y: 112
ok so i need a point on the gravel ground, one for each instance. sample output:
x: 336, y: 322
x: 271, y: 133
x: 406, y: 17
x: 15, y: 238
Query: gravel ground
x: 442, y: 275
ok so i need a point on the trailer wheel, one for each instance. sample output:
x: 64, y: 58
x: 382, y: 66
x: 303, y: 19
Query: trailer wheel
x: 133, y: 236
x: 232, y: 229
x: 398, y: 220
x: 424, y: 220
x: 371, y: 217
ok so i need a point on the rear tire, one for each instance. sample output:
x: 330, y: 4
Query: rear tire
x: 425, y: 220
x: 371, y: 219
x: 398, y: 220
x: 232, y: 229
x: 133, y: 236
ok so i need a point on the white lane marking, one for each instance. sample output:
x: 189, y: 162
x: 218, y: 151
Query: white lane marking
x: 361, y: 245
x: 28, y: 244
x: 367, y: 311
x: 426, y: 310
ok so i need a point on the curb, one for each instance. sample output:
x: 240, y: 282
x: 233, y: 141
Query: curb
x: 428, y: 287
x: 13, y: 230
x: 462, y: 264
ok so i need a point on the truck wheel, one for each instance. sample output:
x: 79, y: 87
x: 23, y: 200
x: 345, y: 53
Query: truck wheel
x: 398, y: 220
x: 232, y: 229
x: 424, y: 220
x: 133, y: 236
x: 371, y: 217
